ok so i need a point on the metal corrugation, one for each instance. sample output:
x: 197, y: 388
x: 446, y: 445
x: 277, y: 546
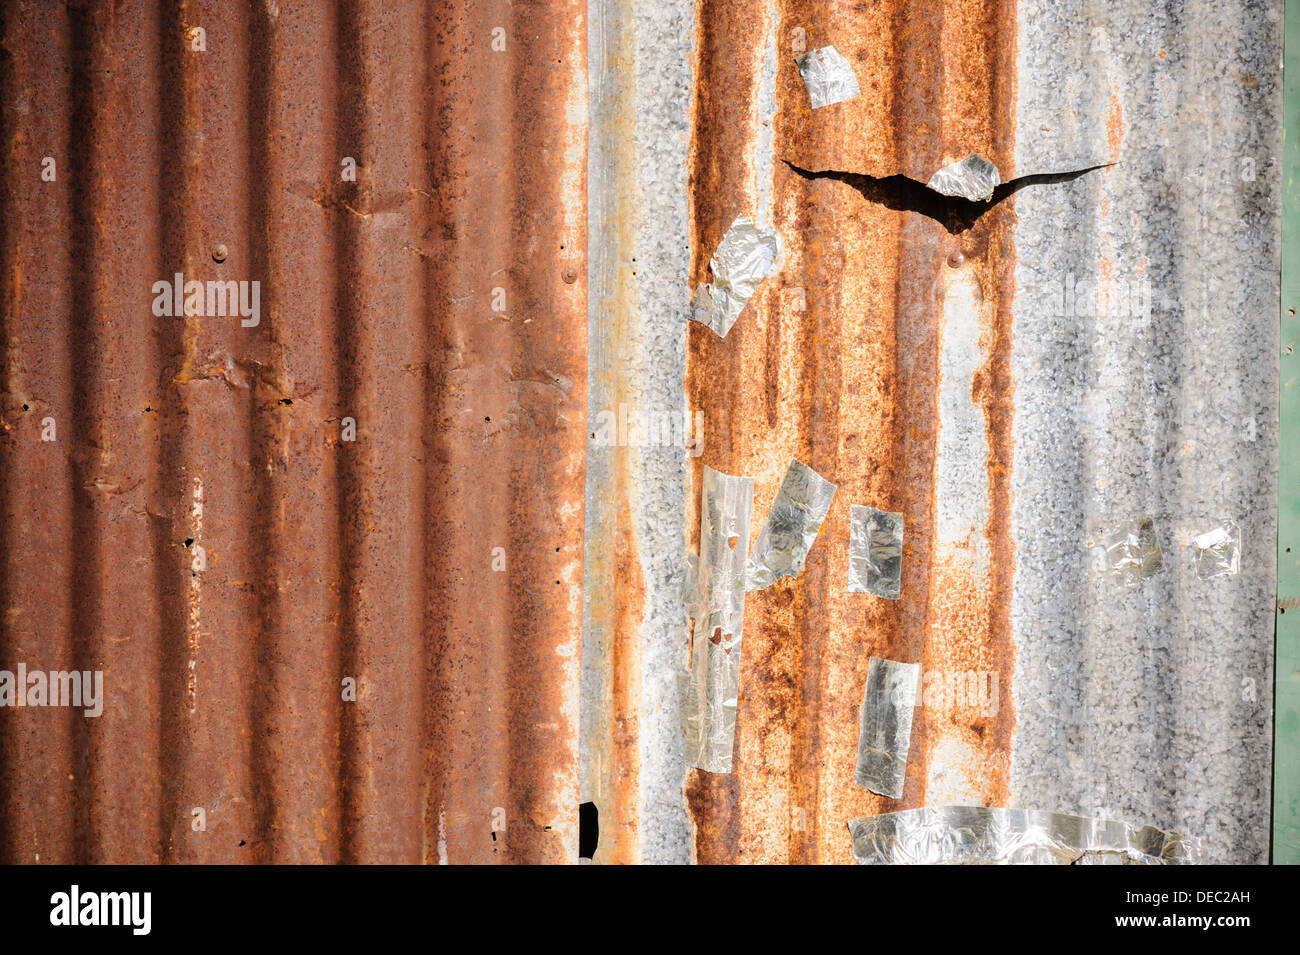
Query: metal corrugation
x: 1286, y: 758
x: 924, y: 359
x: 837, y: 364
x: 325, y: 558
x: 1154, y: 395
x: 931, y: 361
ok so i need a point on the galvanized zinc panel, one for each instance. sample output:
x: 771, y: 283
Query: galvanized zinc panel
x: 384, y: 472
x: 1015, y: 379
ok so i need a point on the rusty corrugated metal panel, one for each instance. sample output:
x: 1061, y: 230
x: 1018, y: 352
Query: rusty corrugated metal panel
x: 893, y: 351
x: 325, y: 558
x: 851, y: 385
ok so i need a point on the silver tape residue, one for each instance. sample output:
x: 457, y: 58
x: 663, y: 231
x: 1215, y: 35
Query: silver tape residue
x: 875, y: 552
x: 977, y: 835
x: 746, y: 256
x: 973, y: 178
x: 828, y: 76
x: 791, y: 526
x: 1218, y: 551
x: 711, y: 689
x: 1132, y: 552
x: 885, y: 727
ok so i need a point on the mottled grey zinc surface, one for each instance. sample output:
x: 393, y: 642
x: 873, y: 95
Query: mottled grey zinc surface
x: 639, y: 61
x: 1151, y: 705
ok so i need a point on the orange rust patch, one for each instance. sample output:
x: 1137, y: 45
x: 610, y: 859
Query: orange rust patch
x: 850, y: 386
x: 1115, y: 125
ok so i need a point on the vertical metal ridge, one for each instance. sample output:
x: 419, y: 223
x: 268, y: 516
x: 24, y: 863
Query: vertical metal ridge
x: 337, y: 203
x: 326, y: 558
x: 1286, y: 726
x: 855, y: 384
x: 614, y: 585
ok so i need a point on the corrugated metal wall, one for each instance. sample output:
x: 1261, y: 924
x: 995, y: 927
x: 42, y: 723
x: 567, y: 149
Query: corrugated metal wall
x: 1286, y: 757
x: 1097, y: 347
x: 184, y: 507
x: 438, y: 301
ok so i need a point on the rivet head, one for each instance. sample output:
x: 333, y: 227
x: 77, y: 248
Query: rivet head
x: 219, y: 253
x: 569, y: 275
x: 956, y: 260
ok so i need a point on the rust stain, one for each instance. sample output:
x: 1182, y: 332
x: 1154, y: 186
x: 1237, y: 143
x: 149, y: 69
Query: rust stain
x: 1115, y: 127
x: 616, y: 587
x: 852, y: 386
x: 327, y: 559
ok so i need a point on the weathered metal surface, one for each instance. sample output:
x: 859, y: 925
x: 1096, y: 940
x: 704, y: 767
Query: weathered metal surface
x: 930, y: 356
x: 1146, y: 385
x: 1286, y: 727
x: 438, y: 300
x: 879, y: 357
x: 632, y: 750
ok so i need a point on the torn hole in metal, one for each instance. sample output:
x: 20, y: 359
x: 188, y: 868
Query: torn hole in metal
x: 1132, y: 552
x: 711, y: 689
x: 979, y: 835
x: 885, y: 726
x: 791, y: 526
x: 746, y: 256
x: 829, y: 77
x: 1218, y: 551
x: 972, y: 178
x: 875, y: 552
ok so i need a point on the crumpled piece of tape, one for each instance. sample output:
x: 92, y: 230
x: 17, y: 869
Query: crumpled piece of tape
x: 710, y: 691
x: 978, y: 835
x: 1132, y: 551
x: 791, y: 526
x: 875, y: 552
x: 1218, y: 551
x: 829, y: 77
x: 885, y: 726
x: 972, y: 178
x: 745, y: 257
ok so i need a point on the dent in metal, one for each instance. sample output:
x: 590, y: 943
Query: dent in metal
x: 828, y: 76
x: 875, y: 552
x: 746, y: 255
x: 973, y: 178
x: 710, y: 691
x: 1218, y: 551
x: 979, y: 835
x: 791, y: 526
x: 885, y: 727
x: 1132, y: 552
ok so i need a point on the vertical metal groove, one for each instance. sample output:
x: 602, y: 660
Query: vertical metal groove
x: 325, y: 558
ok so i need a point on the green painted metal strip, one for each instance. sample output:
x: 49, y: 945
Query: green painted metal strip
x: 1286, y: 723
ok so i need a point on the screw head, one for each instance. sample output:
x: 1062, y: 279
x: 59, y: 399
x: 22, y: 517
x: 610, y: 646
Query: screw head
x: 956, y: 260
x: 219, y: 252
